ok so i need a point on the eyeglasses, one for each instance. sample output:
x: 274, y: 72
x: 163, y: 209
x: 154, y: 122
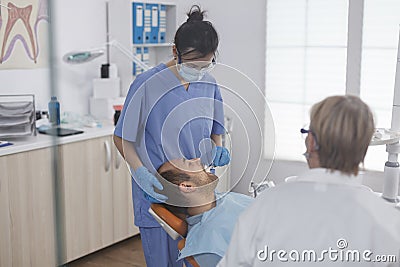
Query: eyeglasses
x: 198, y: 65
x: 204, y: 68
x: 304, y: 131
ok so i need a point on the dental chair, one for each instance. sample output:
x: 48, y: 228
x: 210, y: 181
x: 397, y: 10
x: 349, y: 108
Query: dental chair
x: 175, y: 226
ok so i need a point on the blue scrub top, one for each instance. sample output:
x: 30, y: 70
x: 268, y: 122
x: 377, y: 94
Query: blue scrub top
x: 165, y: 121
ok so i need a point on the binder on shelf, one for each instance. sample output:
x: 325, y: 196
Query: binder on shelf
x: 139, y: 55
x: 162, y: 23
x: 147, y: 23
x: 154, y: 23
x: 138, y: 21
x: 145, y: 56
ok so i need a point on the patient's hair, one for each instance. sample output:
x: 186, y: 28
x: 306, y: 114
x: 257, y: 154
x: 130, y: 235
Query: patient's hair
x: 177, y: 177
x: 343, y: 126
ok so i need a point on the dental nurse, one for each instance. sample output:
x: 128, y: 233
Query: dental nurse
x: 172, y: 110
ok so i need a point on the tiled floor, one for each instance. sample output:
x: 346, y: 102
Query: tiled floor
x: 126, y: 253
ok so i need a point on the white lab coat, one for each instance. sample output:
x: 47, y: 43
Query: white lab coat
x: 315, y: 212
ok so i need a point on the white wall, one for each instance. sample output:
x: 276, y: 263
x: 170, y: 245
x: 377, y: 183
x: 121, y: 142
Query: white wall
x: 34, y: 81
x: 78, y: 25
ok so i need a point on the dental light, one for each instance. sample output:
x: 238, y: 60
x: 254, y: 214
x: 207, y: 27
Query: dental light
x: 79, y: 57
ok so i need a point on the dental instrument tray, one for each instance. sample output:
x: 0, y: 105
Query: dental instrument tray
x: 17, y: 115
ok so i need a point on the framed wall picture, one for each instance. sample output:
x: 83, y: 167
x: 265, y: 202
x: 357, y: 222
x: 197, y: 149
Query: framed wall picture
x: 23, y: 34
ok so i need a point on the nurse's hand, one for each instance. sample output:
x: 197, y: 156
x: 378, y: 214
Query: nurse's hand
x: 222, y: 156
x: 147, y: 181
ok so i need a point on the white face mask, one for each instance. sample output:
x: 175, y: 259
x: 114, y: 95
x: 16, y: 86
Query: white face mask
x: 190, y: 74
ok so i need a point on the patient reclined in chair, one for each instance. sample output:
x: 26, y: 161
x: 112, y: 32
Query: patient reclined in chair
x: 209, y: 216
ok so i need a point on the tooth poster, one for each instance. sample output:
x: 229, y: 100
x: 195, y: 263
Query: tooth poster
x: 23, y: 34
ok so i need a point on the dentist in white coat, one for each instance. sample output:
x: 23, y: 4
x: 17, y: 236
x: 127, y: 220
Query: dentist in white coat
x: 325, y: 217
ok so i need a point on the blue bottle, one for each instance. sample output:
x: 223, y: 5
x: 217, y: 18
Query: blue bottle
x: 54, y: 111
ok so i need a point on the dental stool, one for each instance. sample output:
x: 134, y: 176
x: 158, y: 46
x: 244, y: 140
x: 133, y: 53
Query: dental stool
x: 173, y: 225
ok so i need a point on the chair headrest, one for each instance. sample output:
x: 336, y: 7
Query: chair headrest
x: 176, y: 223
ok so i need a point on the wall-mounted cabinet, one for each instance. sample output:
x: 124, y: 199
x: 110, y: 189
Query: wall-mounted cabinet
x: 153, y: 30
x: 153, y: 22
x: 121, y: 18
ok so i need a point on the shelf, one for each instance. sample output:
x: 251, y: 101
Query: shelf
x: 153, y: 45
x: 167, y: 3
x: 154, y: 50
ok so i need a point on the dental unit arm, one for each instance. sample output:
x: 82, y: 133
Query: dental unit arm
x: 391, y: 139
x: 392, y: 168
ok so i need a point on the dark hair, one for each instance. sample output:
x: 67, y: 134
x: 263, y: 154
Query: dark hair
x: 196, y: 34
x: 175, y: 177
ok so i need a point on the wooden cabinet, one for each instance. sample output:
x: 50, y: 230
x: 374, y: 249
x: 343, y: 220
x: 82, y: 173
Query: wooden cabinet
x: 95, y: 202
x: 87, y: 192
x: 97, y: 196
x: 122, y: 198
x: 27, y: 209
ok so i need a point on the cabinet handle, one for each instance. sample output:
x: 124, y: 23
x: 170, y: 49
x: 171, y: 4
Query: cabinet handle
x: 118, y: 160
x: 108, y: 155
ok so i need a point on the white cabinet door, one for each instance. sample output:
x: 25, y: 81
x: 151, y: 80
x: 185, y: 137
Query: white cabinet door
x: 122, y: 197
x: 26, y: 209
x: 88, y: 196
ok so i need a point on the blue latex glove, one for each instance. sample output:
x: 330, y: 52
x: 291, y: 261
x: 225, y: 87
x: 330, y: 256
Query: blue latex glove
x: 147, y: 181
x: 222, y: 156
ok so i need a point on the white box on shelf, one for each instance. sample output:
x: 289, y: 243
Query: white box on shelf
x: 102, y: 108
x: 106, y: 87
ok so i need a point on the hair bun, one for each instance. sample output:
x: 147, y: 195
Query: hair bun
x: 195, y: 14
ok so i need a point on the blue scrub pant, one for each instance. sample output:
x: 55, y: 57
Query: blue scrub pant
x: 160, y: 250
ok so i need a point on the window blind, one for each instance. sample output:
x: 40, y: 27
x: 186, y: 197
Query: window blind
x: 306, y: 62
